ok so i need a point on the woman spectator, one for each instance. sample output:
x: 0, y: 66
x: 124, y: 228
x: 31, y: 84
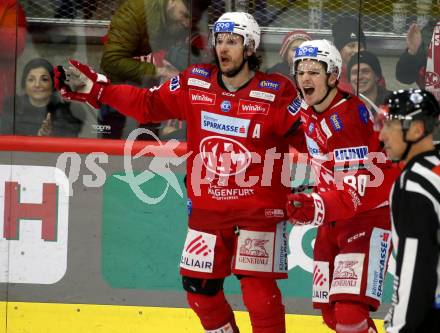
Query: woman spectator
x: 40, y: 111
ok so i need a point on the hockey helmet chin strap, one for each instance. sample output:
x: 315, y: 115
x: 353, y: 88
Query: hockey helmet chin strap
x: 408, y: 142
x: 329, y: 89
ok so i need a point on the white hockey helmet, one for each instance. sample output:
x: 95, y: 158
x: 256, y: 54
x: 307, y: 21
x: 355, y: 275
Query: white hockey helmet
x: 320, y: 50
x: 239, y: 23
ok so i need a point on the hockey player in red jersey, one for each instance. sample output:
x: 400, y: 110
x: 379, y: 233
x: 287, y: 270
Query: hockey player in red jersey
x: 349, y: 203
x: 239, y: 121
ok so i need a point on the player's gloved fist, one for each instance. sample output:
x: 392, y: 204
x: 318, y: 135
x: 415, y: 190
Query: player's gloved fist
x: 305, y: 209
x: 80, y: 83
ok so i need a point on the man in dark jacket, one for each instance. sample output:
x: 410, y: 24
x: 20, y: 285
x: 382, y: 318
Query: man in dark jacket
x: 142, y: 38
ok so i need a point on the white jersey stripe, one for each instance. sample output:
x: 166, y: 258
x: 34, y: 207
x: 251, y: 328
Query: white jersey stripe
x: 339, y: 103
x: 426, y: 173
x: 408, y: 266
x: 433, y: 159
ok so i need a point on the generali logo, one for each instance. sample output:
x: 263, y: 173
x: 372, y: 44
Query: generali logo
x: 201, y: 97
x: 34, y: 210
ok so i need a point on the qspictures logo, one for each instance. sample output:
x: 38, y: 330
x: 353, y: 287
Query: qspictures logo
x: 223, y: 163
x: 163, y: 158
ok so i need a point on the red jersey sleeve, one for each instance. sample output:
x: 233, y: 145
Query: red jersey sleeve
x: 168, y: 101
x: 288, y: 106
x: 363, y: 176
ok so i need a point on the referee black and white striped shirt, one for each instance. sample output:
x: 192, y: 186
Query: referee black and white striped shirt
x: 415, y: 208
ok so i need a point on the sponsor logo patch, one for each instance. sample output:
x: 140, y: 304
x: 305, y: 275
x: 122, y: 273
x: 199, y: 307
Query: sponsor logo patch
x: 198, y: 252
x: 347, y: 275
x: 189, y: 206
x: 255, y: 251
x: 314, y: 149
x: 225, y: 106
x: 380, y: 243
x: 350, y: 154
x: 306, y: 51
x: 274, y: 213
x: 364, y: 114
x: 336, y: 122
x: 224, y: 27
x: 201, y: 72
x: 225, y: 125
x: 201, y: 97
x: 325, y: 129
x: 251, y: 107
x: 268, y: 84
x: 321, y: 285
x: 262, y: 95
x: 174, y: 83
x: 294, y: 106
x: 198, y: 83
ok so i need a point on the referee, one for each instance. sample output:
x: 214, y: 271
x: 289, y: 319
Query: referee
x: 408, y: 122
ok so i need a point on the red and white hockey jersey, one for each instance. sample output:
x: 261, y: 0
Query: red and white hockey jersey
x: 340, y: 141
x: 238, y: 141
x: 432, y: 75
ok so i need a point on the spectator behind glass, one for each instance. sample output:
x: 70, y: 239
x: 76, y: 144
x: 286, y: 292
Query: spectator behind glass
x: 40, y: 111
x: 349, y: 39
x: 370, y: 76
x: 147, y: 44
x: 420, y: 62
x: 12, y: 40
x: 290, y: 43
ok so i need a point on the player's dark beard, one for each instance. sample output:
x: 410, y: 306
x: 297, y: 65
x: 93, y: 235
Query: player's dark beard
x: 233, y: 72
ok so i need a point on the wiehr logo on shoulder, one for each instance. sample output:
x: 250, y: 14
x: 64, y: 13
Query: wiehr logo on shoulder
x: 268, y: 84
x: 201, y: 72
